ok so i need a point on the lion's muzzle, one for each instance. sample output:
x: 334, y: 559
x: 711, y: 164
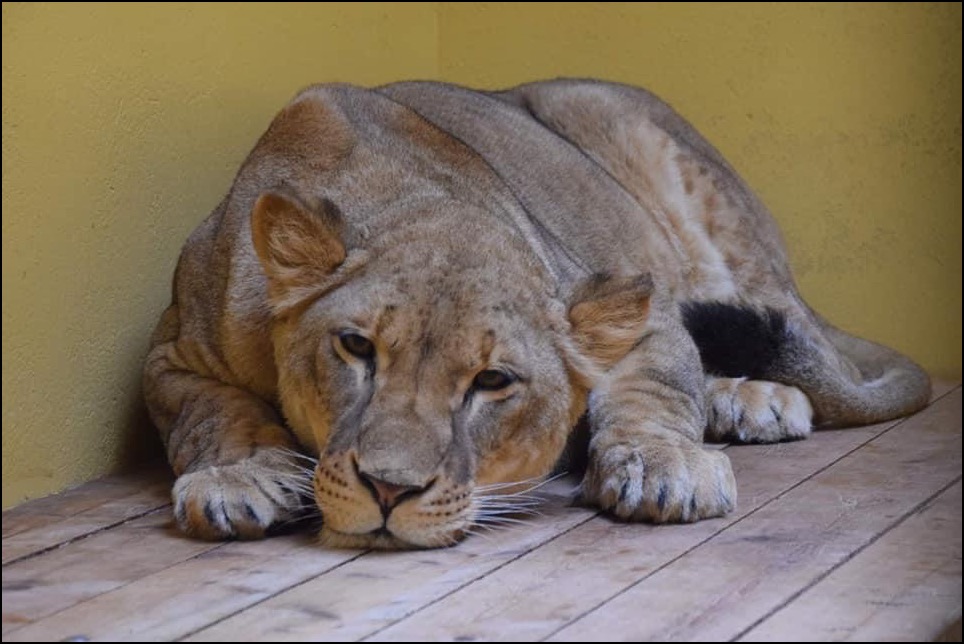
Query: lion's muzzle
x: 361, y: 510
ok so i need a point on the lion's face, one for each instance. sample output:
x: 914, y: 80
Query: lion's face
x: 427, y: 373
x: 428, y: 394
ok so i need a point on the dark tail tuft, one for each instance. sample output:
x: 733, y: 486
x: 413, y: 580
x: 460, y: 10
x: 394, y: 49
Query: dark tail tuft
x: 736, y: 341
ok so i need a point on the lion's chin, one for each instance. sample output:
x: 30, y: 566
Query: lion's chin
x: 384, y: 540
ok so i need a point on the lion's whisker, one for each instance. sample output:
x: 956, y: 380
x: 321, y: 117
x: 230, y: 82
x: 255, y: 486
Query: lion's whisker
x: 507, y: 484
x: 302, y: 518
x: 507, y: 511
x: 495, y: 500
x: 500, y: 521
x: 532, y: 485
x: 476, y: 532
x: 297, y: 454
x: 504, y: 500
x: 521, y: 502
x: 304, y: 486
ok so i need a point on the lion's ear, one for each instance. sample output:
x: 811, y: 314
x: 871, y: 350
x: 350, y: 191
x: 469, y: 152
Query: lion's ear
x: 299, y: 246
x: 608, y: 317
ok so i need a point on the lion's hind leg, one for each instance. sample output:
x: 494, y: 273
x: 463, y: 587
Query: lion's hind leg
x: 755, y: 411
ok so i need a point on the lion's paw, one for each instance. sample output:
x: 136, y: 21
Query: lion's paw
x: 660, y: 479
x: 241, y: 500
x: 756, y: 411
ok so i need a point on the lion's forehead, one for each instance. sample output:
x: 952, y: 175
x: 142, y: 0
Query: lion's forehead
x: 436, y: 307
x: 454, y: 335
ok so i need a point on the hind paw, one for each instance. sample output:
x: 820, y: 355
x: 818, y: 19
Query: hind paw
x: 756, y: 411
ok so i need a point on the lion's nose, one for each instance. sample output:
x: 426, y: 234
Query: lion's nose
x: 388, y: 495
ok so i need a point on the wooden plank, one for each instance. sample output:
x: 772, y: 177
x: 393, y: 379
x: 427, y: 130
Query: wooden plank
x: 41, y: 586
x: 374, y: 592
x: 718, y: 590
x: 186, y: 597
x: 952, y: 633
x: 52, y: 509
x: 67, y: 590
x: 380, y: 587
x: 52, y: 530
x: 905, y: 586
x: 555, y: 584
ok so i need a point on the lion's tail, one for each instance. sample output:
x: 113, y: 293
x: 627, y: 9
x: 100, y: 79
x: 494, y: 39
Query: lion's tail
x: 852, y: 381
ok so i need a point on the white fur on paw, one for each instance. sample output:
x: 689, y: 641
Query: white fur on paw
x: 756, y: 411
x: 241, y: 500
x: 660, y: 479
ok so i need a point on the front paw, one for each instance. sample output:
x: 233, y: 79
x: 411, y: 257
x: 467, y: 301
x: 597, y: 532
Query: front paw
x: 661, y: 479
x: 241, y: 500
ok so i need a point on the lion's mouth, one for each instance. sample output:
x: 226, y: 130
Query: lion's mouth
x: 382, y: 539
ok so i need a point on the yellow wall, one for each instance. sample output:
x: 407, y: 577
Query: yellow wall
x: 844, y: 118
x: 123, y: 125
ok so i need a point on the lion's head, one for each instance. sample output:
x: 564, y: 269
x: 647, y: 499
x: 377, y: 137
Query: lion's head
x: 430, y: 362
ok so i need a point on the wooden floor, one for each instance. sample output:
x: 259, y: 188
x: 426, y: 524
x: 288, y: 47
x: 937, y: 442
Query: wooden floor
x: 850, y: 535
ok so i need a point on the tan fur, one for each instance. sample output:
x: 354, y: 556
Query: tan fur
x: 755, y: 411
x: 548, y: 233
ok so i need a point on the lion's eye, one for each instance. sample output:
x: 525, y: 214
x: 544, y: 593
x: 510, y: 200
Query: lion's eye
x: 358, y: 346
x: 493, y: 380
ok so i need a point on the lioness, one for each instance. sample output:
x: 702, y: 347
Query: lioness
x: 427, y: 286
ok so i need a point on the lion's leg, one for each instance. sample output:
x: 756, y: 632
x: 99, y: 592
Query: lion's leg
x: 237, y: 473
x: 755, y: 411
x: 646, y: 461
